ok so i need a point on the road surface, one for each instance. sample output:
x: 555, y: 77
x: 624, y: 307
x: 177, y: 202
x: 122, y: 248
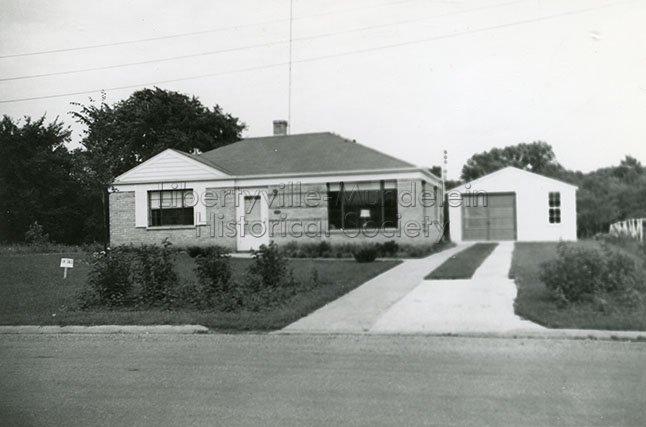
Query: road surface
x: 274, y: 380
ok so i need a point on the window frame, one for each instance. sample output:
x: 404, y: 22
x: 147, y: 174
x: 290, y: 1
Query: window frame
x: 339, y: 208
x: 554, y: 207
x: 189, y: 220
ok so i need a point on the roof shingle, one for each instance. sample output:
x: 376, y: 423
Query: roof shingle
x: 310, y: 152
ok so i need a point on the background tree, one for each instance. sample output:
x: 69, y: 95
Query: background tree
x: 36, y: 183
x: 537, y: 157
x: 118, y: 137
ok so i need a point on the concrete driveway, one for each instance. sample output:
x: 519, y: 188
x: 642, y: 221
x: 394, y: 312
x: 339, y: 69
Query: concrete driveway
x: 358, y: 310
x: 401, y: 301
x: 483, y: 304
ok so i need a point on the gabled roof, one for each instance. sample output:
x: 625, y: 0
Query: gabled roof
x: 310, y: 152
x: 171, y: 165
x: 511, y: 170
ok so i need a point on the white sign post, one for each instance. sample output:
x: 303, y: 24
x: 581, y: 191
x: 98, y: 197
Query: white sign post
x: 65, y: 264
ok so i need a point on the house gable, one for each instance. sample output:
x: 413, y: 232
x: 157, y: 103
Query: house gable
x: 170, y: 165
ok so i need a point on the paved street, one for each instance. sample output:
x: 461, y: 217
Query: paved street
x: 304, y: 380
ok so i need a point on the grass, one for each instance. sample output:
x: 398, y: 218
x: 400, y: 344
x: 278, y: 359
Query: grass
x: 463, y: 264
x: 534, y: 301
x: 58, y: 248
x: 32, y: 291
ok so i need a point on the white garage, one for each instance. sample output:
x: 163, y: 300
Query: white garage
x: 513, y: 204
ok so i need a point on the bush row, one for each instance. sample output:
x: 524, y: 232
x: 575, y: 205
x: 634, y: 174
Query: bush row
x: 583, y: 274
x: 389, y: 249
x: 145, y: 276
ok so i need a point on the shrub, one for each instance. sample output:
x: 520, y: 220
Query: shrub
x: 388, y: 249
x: 323, y: 249
x: 195, y: 251
x: 109, y: 280
x: 621, y: 271
x: 270, y: 265
x: 391, y: 248
x: 36, y: 236
x: 291, y: 249
x: 154, y: 273
x: 268, y: 282
x: 367, y: 253
x: 580, y: 273
x: 213, y: 272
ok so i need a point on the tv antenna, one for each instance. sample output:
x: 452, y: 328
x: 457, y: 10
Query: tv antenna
x: 289, y: 86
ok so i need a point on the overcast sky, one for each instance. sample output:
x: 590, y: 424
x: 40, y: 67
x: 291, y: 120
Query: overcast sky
x: 410, y: 78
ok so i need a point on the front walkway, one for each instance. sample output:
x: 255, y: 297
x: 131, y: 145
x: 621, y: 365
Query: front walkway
x: 358, y: 310
x: 483, y: 304
x: 401, y: 301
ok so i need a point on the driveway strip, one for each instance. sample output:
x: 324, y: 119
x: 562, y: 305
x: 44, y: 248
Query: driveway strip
x: 482, y: 304
x: 358, y: 310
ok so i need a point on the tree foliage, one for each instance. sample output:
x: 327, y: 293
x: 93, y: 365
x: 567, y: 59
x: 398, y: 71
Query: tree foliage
x: 118, y: 137
x: 36, y: 183
x: 537, y: 157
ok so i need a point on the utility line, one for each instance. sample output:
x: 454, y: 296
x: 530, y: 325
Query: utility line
x: 337, y: 55
x: 255, y: 46
x: 193, y: 33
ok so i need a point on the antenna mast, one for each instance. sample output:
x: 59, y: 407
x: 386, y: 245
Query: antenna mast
x: 289, y: 90
x: 446, y: 161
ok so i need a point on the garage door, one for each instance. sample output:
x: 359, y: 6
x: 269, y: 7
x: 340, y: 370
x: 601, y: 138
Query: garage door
x: 490, y: 217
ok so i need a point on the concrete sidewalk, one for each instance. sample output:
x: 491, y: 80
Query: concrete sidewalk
x: 105, y: 329
x: 358, y: 310
x: 483, y: 304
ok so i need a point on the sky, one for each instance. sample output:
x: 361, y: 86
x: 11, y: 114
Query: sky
x: 411, y: 78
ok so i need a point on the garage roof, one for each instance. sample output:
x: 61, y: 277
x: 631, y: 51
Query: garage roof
x: 510, y: 170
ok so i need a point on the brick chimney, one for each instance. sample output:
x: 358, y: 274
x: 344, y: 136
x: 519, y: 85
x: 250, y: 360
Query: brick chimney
x: 280, y: 127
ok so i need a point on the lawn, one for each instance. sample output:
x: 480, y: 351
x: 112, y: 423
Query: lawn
x: 463, y: 264
x: 535, y: 303
x: 33, y: 291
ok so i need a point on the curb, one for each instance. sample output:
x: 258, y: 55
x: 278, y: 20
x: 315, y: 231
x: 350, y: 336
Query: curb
x: 556, y: 334
x: 105, y: 329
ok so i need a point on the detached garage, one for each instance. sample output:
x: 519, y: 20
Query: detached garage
x: 513, y: 204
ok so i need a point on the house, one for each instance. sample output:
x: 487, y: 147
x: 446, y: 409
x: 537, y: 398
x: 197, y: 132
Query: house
x: 308, y: 187
x: 513, y: 204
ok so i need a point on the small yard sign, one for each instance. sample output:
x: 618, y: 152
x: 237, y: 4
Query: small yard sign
x: 65, y: 264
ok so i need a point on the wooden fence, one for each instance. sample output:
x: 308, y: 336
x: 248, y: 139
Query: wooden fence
x: 633, y: 228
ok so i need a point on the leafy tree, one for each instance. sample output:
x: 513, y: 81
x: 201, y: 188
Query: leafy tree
x: 536, y: 157
x: 119, y: 137
x: 36, y: 184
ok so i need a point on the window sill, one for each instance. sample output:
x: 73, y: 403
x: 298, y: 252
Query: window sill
x: 345, y: 230
x: 170, y: 227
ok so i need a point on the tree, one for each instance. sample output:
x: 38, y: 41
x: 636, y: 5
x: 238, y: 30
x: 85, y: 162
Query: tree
x: 536, y: 157
x: 36, y: 184
x: 119, y: 137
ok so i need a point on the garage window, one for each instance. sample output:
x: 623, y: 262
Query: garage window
x: 555, y: 207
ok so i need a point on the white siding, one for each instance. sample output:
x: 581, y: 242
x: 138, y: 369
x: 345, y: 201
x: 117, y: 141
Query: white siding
x: 532, y: 204
x: 169, y: 166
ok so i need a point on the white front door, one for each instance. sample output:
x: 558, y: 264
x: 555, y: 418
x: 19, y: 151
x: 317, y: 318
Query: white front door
x: 252, y: 216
